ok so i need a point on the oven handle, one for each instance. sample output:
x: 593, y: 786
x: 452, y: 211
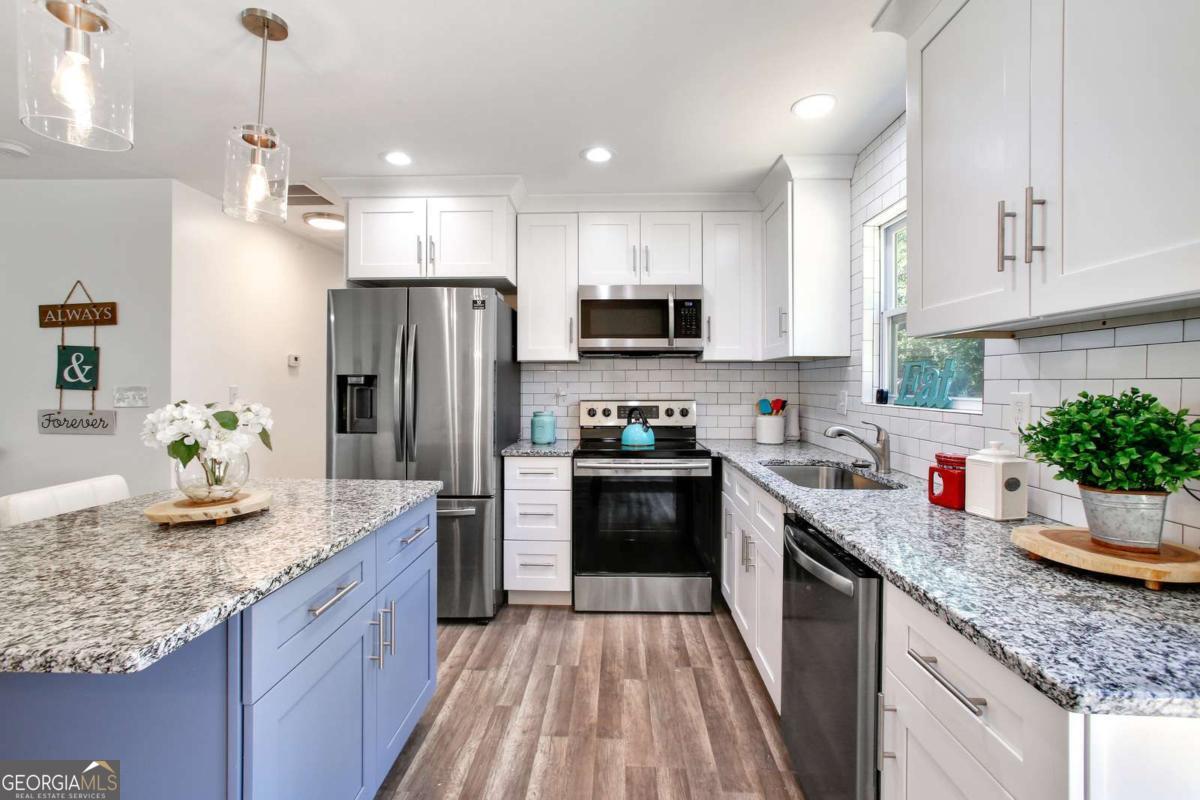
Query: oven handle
x: 818, y: 570
x: 625, y: 467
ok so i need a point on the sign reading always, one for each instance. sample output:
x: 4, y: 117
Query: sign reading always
x: 77, y: 315
x: 60, y: 780
x: 79, y: 422
x: 78, y: 367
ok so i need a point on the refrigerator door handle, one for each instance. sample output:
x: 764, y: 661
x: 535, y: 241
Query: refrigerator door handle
x: 410, y: 394
x: 397, y: 370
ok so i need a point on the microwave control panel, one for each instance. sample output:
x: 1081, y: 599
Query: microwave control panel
x: 687, y: 319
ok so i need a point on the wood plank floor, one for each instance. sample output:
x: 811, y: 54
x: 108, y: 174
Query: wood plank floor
x: 546, y: 703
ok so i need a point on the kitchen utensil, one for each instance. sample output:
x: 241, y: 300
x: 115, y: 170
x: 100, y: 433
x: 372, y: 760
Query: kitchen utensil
x: 764, y: 406
x: 637, y: 432
x: 1076, y: 547
x: 777, y: 405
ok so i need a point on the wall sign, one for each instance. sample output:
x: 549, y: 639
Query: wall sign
x: 77, y: 422
x: 78, y: 368
x: 131, y: 397
x: 77, y: 315
x: 925, y: 385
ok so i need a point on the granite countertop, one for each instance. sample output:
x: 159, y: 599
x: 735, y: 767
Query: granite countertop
x: 106, y: 590
x: 1090, y: 643
x: 564, y: 448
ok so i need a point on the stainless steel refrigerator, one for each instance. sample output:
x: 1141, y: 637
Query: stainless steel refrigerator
x: 424, y: 385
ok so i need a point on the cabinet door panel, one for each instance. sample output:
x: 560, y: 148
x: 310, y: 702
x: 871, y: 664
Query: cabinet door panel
x: 768, y: 610
x: 968, y: 150
x: 777, y: 279
x: 385, y: 238
x: 1121, y: 179
x: 729, y: 549
x: 467, y: 237
x: 310, y: 736
x: 744, y: 592
x: 406, y: 681
x: 671, y: 244
x: 608, y: 249
x: 548, y: 274
x: 732, y: 284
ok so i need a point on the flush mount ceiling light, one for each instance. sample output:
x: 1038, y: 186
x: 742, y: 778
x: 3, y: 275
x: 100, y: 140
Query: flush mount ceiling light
x: 397, y: 158
x: 75, y: 74
x: 256, y: 160
x: 814, y: 106
x: 325, y: 221
x: 597, y: 155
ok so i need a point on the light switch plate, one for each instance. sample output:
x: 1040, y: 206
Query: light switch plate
x: 293, y: 360
x: 1021, y: 404
x: 131, y: 396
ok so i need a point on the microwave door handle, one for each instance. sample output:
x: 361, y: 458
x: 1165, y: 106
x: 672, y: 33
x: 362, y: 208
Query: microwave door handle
x: 397, y: 404
x: 818, y: 570
x: 671, y: 317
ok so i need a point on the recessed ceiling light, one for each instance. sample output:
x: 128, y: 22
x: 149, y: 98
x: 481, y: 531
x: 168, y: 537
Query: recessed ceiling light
x: 397, y: 158
x: 324, y: 221
x: 597, y: 155
x: 814, y: 106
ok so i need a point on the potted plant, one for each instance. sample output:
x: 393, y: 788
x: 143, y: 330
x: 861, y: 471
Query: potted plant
x: 209, y: 444
x: 1127, y: 454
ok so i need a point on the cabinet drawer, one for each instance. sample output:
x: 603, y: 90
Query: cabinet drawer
x: 537, y: 566
x: 537, y: 473
x: 280, y: 630
x: 1013, y: 730
x: 544, y: 516
x: 403, y: 539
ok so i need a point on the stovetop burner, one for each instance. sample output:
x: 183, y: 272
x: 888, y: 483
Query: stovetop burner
x: 674, y: 423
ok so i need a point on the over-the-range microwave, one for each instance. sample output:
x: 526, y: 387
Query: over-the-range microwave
x: 640, y: 319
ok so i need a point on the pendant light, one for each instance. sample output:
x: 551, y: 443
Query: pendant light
x: 256, y: 160
x: 75, y: 74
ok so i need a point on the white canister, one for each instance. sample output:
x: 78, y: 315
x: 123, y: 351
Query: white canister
x: 768, y: 429
x: 996, y: 483
x: 791, y: 422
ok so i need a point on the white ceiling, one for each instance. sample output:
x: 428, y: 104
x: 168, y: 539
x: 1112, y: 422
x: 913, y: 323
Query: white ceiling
x: 692, y: 95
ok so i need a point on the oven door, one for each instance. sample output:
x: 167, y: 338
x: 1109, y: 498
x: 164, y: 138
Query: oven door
x: 642, y: 534
x: 625, y: 319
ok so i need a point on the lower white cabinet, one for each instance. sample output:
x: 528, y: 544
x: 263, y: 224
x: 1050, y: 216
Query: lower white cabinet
x: 530, y: 515
x: 767, y: 650
x: 537, y: 526
x: 729, y: 548
x: 535, y: 566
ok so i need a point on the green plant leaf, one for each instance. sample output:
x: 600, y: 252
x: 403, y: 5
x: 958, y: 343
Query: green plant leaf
x: 226, y: 419
x: 265, y: 436
x: 183, y: 452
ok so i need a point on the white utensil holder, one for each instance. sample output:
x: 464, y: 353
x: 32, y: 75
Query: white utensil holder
x: 768, y: 429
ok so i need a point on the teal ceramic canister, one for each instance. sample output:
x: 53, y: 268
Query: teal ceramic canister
x: 542, y: 428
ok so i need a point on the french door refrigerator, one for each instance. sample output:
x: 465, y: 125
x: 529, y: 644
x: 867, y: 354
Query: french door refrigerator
x: 424, y: 385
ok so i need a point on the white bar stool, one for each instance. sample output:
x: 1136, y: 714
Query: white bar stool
x: 50, y: 500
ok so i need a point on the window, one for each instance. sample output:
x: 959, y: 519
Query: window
x: 952, y: 369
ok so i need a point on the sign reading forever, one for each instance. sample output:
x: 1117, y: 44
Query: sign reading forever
x: 77, y: 315
x: 80, y: 423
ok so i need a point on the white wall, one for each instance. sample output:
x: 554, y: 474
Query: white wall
x: 116, y: 237
x: 243, y: 297
x: 1161, y: 358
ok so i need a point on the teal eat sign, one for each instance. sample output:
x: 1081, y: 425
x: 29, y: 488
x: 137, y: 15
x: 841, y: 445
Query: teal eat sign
x: 78, y: 367
x: 925, y: 385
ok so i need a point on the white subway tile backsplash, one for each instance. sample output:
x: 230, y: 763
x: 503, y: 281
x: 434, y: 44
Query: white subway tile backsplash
x: 1024, y: 365
x: 1064, y: 364
x: 1087, y: 340
x: 1117, y: 362
x: 1191, y: 330
x: 1167, y: 390
x: 1180, y: 360
x: 1040, y: 344
x: 1045, y: 392
x: 1071, y: 389
x: 1155, y: 333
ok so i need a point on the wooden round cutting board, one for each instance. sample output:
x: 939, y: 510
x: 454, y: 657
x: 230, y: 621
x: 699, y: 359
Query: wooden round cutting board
x: 1075, y: 547
x: 182, y: 510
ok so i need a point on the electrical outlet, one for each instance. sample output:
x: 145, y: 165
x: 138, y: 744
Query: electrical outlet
x: 843, y: 403
x: 1021, y: 406
x: 234, y: 389
x: 293, y: 361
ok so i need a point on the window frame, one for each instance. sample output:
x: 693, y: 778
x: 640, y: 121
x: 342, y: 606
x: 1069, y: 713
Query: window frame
x: 890, y: 314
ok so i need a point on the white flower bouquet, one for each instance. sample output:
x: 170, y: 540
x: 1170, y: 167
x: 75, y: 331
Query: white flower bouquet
x: 210, y: 444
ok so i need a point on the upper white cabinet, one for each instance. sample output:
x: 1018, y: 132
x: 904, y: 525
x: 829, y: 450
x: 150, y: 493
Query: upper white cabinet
x: 1034, y: 197
x: 732, y: 283
x: 630, y: 248
x: 548, y: 274
x: 444, y: 238
x: 805, y: 307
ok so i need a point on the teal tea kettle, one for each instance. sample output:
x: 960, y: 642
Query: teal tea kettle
x: 638, y: 432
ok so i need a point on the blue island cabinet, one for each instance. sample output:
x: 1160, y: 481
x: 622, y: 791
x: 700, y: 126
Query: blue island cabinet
x: 333, y: 725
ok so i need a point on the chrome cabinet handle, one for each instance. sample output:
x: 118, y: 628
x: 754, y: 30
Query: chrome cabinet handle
x: 342, y: 591
x: 646, y: 259
x: 392, y: 643
x: 378, y: 623
x: 929, y: 663
x: 1030, y: 247
x: 432, y: 255
x: 633, y: 247
x: 710, y: 330
x: 880, y: 754
x: 420, y: 260
x: 535, y: 513
x: 1002, y: 215
x: 384, y: 641
x: 421, y: 531
x: 537, y: 471
x: 570, y: 330
x: 537, y: 563
x: 728, y: 523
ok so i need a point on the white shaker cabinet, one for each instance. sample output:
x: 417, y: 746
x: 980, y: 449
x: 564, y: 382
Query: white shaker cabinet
x: 609, y: 249
x: 471, y: 237
x: 767, y: 649
x: 968, y: 164
x: 548, y: 274
x: 1114, y: 127
x: 619, y: 249
x: 729, y: 549
x: 671, y: 243
x: 385, y: 238
x: 776, y: 279
x: 744, y: 594
x: 732, y: 285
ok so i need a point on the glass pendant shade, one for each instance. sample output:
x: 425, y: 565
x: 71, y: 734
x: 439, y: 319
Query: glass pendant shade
x: 256, y: 175
x: 75, y: 74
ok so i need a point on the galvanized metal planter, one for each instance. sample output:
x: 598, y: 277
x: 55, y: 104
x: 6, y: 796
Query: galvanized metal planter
x: 1128, y: 520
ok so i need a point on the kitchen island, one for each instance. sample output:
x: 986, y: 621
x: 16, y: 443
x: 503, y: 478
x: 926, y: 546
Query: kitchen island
x: 288, y: 653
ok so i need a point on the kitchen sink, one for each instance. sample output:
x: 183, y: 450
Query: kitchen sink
x: 822, y: 476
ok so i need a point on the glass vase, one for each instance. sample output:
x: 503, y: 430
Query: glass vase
x: 211, y: 480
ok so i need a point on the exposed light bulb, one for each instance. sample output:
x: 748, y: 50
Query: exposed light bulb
x: 258, y: 188
x: 74, y: 86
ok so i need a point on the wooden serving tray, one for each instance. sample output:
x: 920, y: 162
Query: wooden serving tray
x: 182, y: 510
x: 1075, y: 547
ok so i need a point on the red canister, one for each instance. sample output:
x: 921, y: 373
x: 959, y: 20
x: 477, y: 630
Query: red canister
x: 948, y: 481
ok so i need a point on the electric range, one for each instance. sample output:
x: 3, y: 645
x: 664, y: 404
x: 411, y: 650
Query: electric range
x: 642, y: 517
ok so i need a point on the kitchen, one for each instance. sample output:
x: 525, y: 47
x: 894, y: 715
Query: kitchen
x: 558, y: 304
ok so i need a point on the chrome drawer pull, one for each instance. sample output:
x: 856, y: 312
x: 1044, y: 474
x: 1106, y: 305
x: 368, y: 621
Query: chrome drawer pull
x: 421, y: 531
x: 537, y: 472
x: 1030, y: 247
x: 537, y: 563
x: 881, y: 753
x: 342, y: 591
x: 390, y: 644
x: 928, y: 663
x: 1002, y: 215
x: 535, y: 513
x: 379, y: 624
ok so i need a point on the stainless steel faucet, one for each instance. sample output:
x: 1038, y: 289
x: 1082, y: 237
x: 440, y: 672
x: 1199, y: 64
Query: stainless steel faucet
x: 881, y: 451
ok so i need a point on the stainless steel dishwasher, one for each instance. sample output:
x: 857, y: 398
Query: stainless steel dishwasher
x: 831, y: 652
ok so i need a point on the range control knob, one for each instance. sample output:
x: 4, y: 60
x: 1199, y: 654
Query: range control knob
x: 670, y: 412
x: 607, y: 412
x: 591, y: 412
x: 683, y: 412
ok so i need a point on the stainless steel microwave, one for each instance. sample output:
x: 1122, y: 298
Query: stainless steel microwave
x: 640, y: 319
